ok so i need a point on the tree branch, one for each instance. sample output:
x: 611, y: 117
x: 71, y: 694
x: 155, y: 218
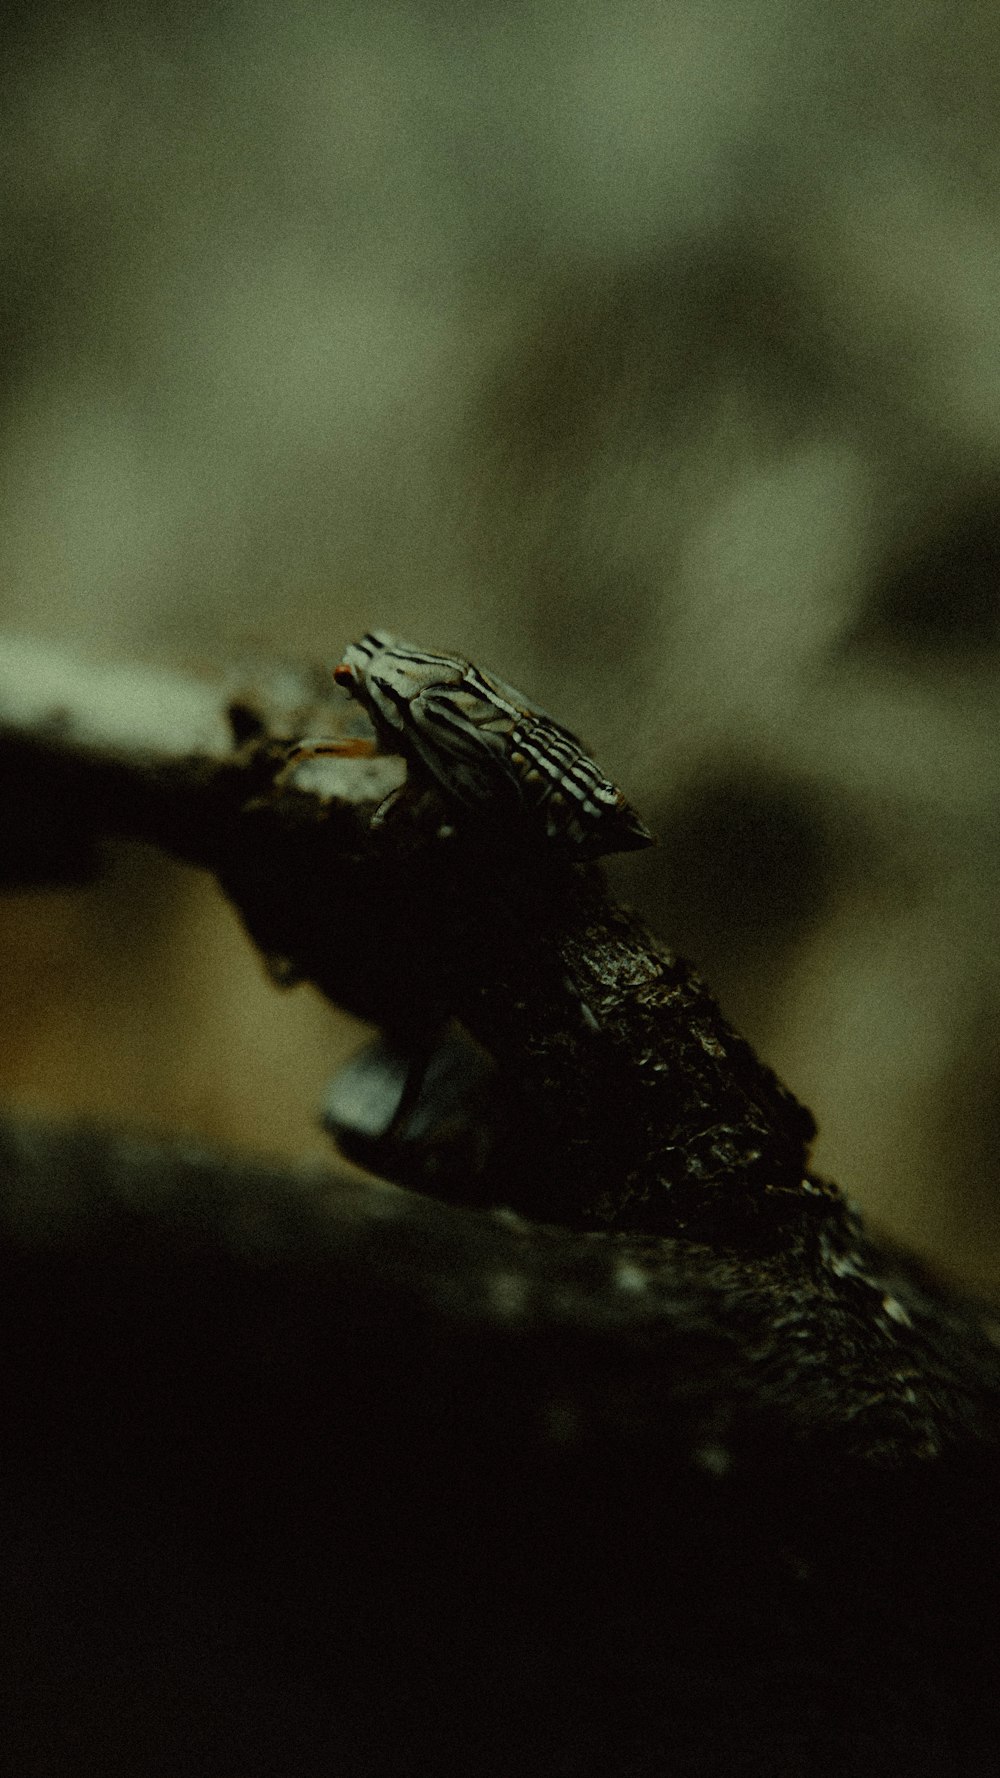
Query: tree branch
x: 672, y: 1470
x: 621, y: 1100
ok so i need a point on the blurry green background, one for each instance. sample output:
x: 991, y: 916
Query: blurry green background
x: 647, y: 353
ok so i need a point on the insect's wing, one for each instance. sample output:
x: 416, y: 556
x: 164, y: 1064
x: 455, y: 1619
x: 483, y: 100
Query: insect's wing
x: 517, y: 702
x: 463, y: 739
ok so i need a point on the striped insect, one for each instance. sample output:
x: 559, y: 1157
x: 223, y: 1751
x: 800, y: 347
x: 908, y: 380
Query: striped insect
x: 487, y: 747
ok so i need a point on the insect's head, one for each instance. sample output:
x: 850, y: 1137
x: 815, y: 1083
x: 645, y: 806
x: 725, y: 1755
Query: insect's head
x: 385, y: 674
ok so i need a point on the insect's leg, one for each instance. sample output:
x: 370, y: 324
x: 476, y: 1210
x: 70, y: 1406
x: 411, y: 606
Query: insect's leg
x: 421, y: 804
x: 353, y: 747
x: 387, y: 805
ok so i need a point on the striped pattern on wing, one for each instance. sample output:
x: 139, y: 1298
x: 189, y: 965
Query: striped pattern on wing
x: 488, y: 746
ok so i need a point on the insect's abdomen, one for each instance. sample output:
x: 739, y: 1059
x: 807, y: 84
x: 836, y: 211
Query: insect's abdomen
x: 562, y: 786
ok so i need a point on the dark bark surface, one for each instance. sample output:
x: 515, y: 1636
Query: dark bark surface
x: 615, y: 1448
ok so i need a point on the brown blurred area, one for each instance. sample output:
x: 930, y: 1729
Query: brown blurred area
x: 650, y: 355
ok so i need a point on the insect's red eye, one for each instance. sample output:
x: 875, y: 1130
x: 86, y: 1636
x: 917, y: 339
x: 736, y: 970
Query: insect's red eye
x: 343, y: 675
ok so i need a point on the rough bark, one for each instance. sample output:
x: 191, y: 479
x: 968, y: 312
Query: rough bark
x: 633, y: 1455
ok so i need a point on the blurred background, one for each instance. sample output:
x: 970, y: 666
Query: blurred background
x: 648, y: 354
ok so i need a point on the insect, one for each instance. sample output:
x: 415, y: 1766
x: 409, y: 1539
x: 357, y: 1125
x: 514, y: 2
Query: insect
x: 487, y: 747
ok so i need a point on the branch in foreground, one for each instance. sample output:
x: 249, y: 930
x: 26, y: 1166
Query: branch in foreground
x: 306, y: 1474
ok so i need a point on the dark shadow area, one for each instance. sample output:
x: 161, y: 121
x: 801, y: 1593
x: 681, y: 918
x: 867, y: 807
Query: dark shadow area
x: 257, y: 1520
x: 744, y: 873
x: 940, y: 595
